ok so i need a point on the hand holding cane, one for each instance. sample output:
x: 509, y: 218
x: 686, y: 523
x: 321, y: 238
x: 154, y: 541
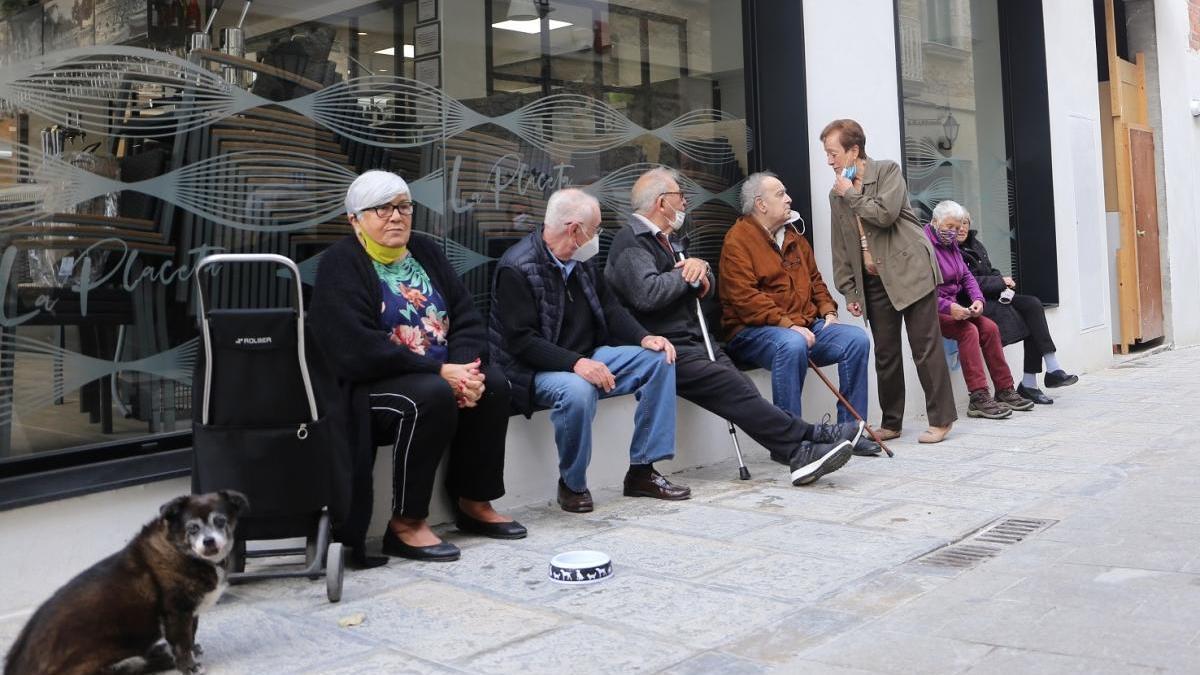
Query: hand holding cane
x: 842, y: 399
x: 743, y: 472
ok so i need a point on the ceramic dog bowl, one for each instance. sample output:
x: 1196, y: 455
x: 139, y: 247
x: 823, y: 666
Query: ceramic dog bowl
x: 578, y: 568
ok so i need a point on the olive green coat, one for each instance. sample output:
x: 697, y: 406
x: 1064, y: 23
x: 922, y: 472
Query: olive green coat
x: 903, y: 255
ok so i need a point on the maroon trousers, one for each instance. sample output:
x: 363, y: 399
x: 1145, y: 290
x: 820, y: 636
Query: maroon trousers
x: 979, y: 342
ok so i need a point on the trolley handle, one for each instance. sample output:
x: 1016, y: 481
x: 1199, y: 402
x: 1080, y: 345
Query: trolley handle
x: 217, y: 258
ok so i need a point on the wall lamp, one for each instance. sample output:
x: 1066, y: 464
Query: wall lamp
x: 950, y: 128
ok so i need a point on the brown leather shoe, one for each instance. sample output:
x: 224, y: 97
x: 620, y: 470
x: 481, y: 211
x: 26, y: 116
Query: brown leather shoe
x: 574, y: 502
x: 653, y: 484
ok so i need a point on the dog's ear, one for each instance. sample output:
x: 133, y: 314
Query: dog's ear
x: 237, y: 502
x: 172, y: 509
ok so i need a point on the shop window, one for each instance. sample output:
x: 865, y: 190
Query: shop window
x: 146, y: 146
x: 976, y: 127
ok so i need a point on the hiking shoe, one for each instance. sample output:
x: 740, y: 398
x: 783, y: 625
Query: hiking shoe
x: 823, y: 432
x: 983, y: 405
x: 1012, y: 399
x: 1059, y: 378
x: 813, y: 460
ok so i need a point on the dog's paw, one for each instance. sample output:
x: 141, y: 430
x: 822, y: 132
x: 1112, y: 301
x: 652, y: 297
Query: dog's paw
x: 195, y: 669
x: 197, y: 650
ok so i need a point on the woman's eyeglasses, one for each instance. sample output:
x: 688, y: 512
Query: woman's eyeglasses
x: 386, y: 210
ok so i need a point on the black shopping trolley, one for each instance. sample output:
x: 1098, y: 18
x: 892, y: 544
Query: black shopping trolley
x: 258, y: 429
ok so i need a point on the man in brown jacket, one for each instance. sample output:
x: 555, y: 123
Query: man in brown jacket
x: 776, y: 310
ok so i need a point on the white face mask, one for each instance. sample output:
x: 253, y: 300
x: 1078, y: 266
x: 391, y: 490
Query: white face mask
x: 677, y: 221
x: 589, y: 249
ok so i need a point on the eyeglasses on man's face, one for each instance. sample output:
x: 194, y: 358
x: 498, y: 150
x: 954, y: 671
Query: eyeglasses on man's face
x: 385, y: 210
x: 679, y: 193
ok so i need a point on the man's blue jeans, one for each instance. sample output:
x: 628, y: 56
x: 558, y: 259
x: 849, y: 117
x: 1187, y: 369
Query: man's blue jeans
x: 572, y: 402
x: 785, y: 353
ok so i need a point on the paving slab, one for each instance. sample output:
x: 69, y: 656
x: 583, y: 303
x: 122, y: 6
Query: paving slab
x: 673, y: 610
x: 581, y: 647
x: 419, y: 617
x: 899, y: 652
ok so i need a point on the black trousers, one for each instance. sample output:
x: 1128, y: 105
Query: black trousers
x: 417, y: 417
x: 722, y: 389
x: 1038, y: 343
x: 925, y: 338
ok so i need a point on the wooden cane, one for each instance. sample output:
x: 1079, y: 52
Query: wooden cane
x: 842, y: 399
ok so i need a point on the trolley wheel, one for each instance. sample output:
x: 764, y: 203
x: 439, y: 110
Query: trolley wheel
x: 335, y: 567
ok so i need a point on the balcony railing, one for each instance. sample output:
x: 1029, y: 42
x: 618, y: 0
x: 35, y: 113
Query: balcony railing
x: 912, y: 57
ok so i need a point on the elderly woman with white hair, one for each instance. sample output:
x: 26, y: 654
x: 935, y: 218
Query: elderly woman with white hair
x: 410, y: 351
x: 978, y: 337
x: 1021, y: 319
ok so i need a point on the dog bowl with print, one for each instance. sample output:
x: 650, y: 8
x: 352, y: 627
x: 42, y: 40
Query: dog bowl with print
x: 576, y: 568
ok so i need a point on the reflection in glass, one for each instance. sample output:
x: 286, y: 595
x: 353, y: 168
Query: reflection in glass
x: 955, y: 144
x: 127, y: 162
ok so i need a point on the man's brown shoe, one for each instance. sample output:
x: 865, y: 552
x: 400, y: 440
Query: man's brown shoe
x: 574, y: 502
x: 650, y: 483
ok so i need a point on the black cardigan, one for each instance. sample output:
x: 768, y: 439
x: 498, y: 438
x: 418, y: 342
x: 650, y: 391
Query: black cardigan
x: 345, y: 314
x: 343, y: 320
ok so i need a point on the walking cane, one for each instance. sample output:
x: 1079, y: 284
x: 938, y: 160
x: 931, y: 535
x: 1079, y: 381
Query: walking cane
x: 842, y: 399
x: 743, y: 472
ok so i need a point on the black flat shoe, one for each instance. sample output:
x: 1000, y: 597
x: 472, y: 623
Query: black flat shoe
x: 1034, y: 394
x: 509, y: 530
x: 441, y: 552
x: 358, y: 559
x: 1059, y: 378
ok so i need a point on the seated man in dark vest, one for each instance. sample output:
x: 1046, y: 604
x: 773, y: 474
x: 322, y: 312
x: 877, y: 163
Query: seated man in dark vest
x: 564, y: 342
x: 644, y: 270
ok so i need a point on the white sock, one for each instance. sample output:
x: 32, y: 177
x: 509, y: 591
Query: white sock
x: 1029, y: 381
x: 1052, y: 363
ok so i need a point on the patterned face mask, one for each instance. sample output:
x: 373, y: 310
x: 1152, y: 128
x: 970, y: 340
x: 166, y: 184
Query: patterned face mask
x: 947, y: 237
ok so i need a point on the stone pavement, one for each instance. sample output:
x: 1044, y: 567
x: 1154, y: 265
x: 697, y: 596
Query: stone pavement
x: 757, y: 576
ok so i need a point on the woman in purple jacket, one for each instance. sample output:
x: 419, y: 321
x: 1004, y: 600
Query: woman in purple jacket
x: 978, y: 337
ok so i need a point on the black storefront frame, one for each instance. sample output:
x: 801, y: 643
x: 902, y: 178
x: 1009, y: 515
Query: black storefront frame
x: 82, y: 470
x: 1027, y: 139
x: 773, y: 54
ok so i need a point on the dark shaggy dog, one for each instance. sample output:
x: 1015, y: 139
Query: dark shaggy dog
x: 114, y: 616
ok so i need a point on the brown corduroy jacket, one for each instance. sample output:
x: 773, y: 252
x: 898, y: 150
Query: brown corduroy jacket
x: 763, y: 285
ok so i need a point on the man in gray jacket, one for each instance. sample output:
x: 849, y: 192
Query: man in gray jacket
x: 661, y: 291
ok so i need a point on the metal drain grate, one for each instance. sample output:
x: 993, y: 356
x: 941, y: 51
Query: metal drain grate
x: 1012, y: 530
x: 959, y: 555
x: 985, y: 543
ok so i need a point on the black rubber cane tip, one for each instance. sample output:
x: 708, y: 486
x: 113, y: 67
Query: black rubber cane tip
x: 743, y: 473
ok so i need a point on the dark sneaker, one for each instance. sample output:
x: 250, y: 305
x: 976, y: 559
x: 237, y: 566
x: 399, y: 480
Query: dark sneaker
x: 983, y: 405
x: 863, y: 445
x: 1034, y: 394
x: 1059, y: 378
x: 813, y: 460
x: 1013, y: 400
x: 834, y: 433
